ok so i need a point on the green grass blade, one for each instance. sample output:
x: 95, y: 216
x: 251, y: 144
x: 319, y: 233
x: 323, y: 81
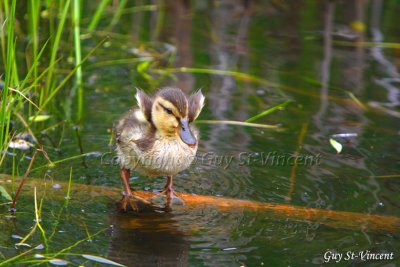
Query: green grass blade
x: 57, y: 38
x: 236, y: 74
x: 140, y: 8
x: 63, y: 82
x: 239, y: 123
x: 33, y: 23
x: 10, y: 76
x: 54, y: 163
x: 269, y: 111
x: 33, y: 68
x: 97, y: 16
x: 118, y: 62
x: 118, y: 13
x: 78, y: 56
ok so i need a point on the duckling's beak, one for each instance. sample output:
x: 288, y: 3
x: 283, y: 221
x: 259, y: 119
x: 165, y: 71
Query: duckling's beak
x: 185, y: 133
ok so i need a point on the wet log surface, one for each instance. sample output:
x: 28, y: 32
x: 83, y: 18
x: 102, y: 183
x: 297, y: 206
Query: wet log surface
x: 337, y: 219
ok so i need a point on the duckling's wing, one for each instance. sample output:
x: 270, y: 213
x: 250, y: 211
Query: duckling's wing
x: 134, y: 129
x: 145, y: 103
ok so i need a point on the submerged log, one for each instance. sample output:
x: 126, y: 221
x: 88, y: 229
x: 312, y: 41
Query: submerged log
x: 337, y: 219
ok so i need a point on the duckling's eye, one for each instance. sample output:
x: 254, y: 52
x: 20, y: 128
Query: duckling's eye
x: 169, y: 111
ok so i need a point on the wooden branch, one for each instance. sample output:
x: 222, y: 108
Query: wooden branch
x: 337, y: 219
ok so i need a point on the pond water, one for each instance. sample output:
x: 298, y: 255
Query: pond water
x: 322, y: 56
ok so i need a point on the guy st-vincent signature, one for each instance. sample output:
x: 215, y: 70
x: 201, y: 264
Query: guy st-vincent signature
x: 364, y: 255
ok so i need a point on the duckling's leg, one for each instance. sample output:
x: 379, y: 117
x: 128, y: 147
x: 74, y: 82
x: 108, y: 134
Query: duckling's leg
x: 169, y: 191
x: 129, y: 197
x: 169, y: 194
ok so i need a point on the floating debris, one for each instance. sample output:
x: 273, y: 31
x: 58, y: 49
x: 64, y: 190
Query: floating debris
x: 336, y: 145
x: 58, y: 262
x: 17, y: 237
x: 229, y: 249
x: 101, y: 260
x: 26, y: 136
x: 22, y: 245
x: 260, y: 92
x: 345, y: 135
x: 11, y: 154
x: 94, y: 154
x: 20, y: 144
x: 39, y: 247
x: 56, y: 186
x: 39, y: 256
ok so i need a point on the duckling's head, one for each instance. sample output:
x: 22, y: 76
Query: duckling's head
x: 172, y: 112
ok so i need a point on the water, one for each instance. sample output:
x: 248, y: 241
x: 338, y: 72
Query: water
x: 287, y: 45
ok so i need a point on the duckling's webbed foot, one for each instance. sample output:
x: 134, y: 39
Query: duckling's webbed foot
x: 126, y: 202
x: 167, y: 197
x: 173, y: 199
x: 129, y: 198
x: 136, y: 203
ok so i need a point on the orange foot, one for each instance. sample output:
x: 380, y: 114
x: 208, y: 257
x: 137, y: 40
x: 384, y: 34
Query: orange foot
x: 167, y: 198
x: 136, y: 203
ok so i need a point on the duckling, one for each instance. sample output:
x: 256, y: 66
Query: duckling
x: 157, y: 139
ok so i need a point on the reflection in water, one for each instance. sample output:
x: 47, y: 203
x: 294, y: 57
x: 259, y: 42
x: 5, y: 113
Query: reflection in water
x: 182, y: 16
x: 164, y: 239
x: 390, y: 83
x: 334, y: 118
x: 228, y: 51
x: 356, y: 63
x: 228, y: 57
x: 377, y: 37
x: 148, y: 239
x: 319, y: 117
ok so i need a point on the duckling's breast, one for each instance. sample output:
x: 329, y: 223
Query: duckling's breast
x: 166, y: 157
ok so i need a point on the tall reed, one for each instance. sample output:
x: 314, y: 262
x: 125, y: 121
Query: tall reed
x: 29, y: 84
x: 11, y: 75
